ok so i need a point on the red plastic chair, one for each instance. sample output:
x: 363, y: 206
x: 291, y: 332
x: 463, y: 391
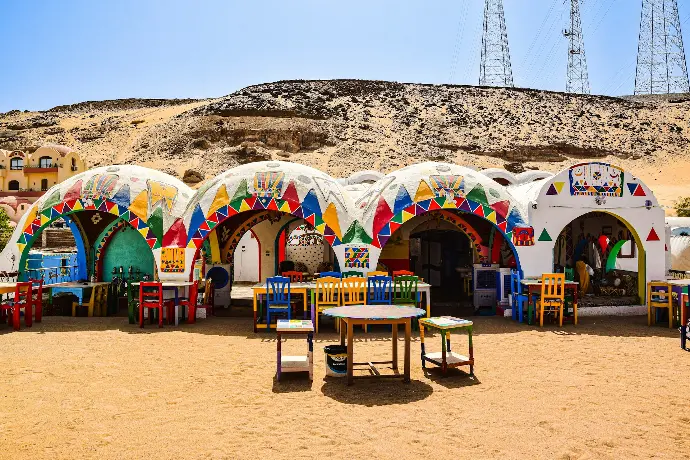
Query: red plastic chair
x: 191, y: 302
x: 37, y: 298
x: 11, y: 308
x: 151, y: 297
x: 294, y: 276
x: 402, y: 273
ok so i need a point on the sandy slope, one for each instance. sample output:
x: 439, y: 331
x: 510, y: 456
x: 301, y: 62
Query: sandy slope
x: 99, y: 388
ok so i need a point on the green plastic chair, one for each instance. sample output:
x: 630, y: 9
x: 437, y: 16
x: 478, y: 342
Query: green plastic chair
x: 569, y: 274
x: 349, y: 274
x: 405, y: 292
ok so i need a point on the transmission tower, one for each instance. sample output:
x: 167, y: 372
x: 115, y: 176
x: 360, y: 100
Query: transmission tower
x: 578, y: 78
x: 495, y: 69
x: 661, y: 65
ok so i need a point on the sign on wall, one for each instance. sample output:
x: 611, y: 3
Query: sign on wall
x: 172, y: 260
x: 357, y: 257
x: 589, y: 179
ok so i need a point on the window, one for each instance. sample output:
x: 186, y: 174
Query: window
x: 74, y: 164
x: 22, y: 207
x: 44, y: 185
x: 13, y: 185
x: 16, y: 163
x: 45, y: 162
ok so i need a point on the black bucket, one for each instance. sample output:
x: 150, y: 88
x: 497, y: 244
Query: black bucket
x: 336, y: 360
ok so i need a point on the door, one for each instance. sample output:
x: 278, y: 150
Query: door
x: 247, y: 259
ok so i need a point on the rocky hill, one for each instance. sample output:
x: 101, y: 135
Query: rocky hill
x: 342, y: 126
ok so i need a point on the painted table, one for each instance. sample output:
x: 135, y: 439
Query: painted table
x: 681, y: 287
x: 74, y: 287
x: 446, y: 357
x: 354, y: 315
x: 534, y: 287
x: 295, y: 363
x: 167, y: 286
x: 7, y: 288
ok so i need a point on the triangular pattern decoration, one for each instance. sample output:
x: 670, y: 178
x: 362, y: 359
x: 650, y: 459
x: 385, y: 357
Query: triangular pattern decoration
x: 220, y: 200
x: 155, y: 222
x: 74, y: 192
x: 424, y: 192
x: 652, y: 235
x: 196, y: 220
x: 559, y: 186
x: 122, y: 197
x: 330, y: 217
x: 631, y: 188
x: 242, y: 192
x: 544, y: 236
x: 52, y: 200
x: 552, y: 190
x: 478, y: 194
x: 402, y: 200
x: 310, y: 204
x: 140, y: 205
x: 290, y: 193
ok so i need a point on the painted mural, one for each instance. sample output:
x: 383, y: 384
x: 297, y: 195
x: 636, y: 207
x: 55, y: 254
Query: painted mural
x: 172, y: 260
x: 357, y: 257
x: 588, y: 179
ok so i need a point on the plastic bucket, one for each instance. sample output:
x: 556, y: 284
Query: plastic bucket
x: 336, y: 360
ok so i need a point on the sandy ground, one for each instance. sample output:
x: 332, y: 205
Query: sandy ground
x: 100, y: 388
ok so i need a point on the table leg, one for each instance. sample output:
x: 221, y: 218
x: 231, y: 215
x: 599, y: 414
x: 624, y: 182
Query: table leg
x: 255, y: 306
x: 575, y: 305
x: 395, y: 346
x: 469, y: 332
x: 343, y: 330
x: 529, y: 304
x: 421, y: 341
x: 279, y: 358
x: 444, y: 363
x: 350, y: 353
x: 408, y: 333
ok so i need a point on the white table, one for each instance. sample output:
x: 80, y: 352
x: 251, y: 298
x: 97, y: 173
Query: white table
x: 172, y: 286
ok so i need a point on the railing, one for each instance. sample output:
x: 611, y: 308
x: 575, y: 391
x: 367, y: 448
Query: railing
x: 54, y: 274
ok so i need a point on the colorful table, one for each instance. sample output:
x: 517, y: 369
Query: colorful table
x: 446, y: 357
x: 295, y: 363
x: 681, y: 287
x: 354, y: 315
x: 298, y: 288
x: 534, y: 287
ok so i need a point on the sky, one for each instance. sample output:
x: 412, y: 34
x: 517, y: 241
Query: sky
x: 62, y: 52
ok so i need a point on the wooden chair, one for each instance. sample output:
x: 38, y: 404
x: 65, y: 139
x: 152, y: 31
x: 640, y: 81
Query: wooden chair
x: 405, y: 291
x: 519, y: 300
x: 552, y: 296
x: 190, y: 302
x: 351, y: 274
x: 379, y: 290
x: 37, y: 298
x: 377, y: 273
x: 207, y: 301
x: 22, y: 299
x: 151, y: 297
x: 97, y: 304
x: 659, y: 296
x: 402, y: 273
x: 277, y: 297
x: 330, y: 275
x: 353, y: 292
x: 326, y: 295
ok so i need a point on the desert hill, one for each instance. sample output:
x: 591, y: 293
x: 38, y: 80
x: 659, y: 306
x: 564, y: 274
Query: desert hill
x: 341, y: 126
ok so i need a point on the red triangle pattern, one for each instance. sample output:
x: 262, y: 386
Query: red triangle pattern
x: 652, y: 235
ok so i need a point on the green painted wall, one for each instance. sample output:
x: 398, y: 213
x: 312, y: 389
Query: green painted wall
x: 127, y: 248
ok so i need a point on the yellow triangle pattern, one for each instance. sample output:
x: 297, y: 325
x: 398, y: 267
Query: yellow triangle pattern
x: 44, y: 220
x: 321, y: 228
x: 559, y: 186
x: 244, y: 206
x: 31, y: 215
x: 330, y: 217
x: 220, y: 200
x: 406, y: 216
x: 144, y: 231
x: 191, y: 244
x: 423, y: 192
x: 492, y: 217
x: 115, y: 210
x: 21, y: 247
x: 285, y: 207
x: 140, y: 205
x: 449, y: 204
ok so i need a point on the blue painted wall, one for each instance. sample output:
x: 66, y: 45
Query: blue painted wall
x: 38, y: 260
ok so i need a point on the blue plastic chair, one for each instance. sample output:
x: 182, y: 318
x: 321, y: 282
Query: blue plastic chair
x: 333, y: 274
x: 379, y: 290
x: 519, y: 299
x: 277, y: 297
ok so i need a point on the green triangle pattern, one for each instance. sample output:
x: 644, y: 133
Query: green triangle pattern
x: 477, y: 194
x: 241, y: 192
x: 544, y: 236
x: 52, y: 200
x: 356, y: 234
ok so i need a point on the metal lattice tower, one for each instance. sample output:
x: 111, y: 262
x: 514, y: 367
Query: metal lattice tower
x: 578, y: 78
x: 495, y: 69
x: 661, y: 65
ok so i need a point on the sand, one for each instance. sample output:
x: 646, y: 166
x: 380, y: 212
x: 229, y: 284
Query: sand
x: 100, y: 388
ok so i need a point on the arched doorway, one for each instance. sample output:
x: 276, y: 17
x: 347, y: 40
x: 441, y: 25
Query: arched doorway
x: 613, y: 250
x: 246, y: 259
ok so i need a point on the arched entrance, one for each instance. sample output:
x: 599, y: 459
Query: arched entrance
x: 612, y: 248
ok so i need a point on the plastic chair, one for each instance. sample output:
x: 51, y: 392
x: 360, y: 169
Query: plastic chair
x: 11, y: 308
x: 327, y: 295
x: 151, y: 297
x: 659, y: 296
x: 208, y: 300
x: 294, y: 276
x: 405, y: 291
x: 330, y: 275
x: 569, y: 274
x: 519, y: 299
x: 191, y: 302
x: 379, y: 290
x: 277, y: 297
x: 402, y: 273
x: 377, y: 273
x: 351, y: 274
x: 37, y: 298
x: 98, y: 303
x: 552, y: 296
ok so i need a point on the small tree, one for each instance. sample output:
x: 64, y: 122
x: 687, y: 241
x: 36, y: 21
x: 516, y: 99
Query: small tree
x: 5, y: 229
x: 683, y: 207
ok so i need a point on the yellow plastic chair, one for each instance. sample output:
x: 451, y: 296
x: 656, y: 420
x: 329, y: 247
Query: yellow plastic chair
x: 552, y: 296
x: 353, y: 292
x: 659, y: 295
x: 378, y: 273
x: 327, y: 295
x: 98, y: 304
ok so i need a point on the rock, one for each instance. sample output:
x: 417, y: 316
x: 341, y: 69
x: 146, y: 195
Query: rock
x: 202, y: 144
x: 192, y: 177
x: 515, y: 168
